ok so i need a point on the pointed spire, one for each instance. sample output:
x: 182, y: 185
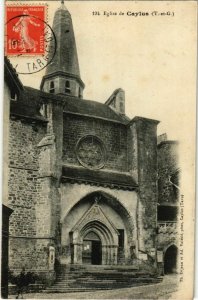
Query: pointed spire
x: 66, y: 58
x: 64, y: 68
x: 62, y: 7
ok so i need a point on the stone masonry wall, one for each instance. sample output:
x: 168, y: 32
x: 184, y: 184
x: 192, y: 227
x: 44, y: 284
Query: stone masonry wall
x: 113, y: 136
x: 144, y: 164
x: 168, y: 171
x: 147, y: 159
x: 50, y: 170
x: 23, y: 192
x: 167, y: 234
x: 47, y: 210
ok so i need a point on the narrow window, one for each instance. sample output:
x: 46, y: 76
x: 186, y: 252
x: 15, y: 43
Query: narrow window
x: 67, y: 87
x: 52, y: 89
x: 79, y: 93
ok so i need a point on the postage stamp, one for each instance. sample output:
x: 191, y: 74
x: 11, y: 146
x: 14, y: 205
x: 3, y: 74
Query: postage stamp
x: 25, y: 30
x: 30, y: 43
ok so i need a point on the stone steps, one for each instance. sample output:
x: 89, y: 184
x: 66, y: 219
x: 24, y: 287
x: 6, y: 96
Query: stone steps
x: 69, y: 289
x: 73, y: 278
x: 103, y: 282
x: 99, y: 267
x: 104, y: 277
x: 72, y: 290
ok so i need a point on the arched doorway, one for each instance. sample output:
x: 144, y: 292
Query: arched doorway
x: 94, y: 238
x: 92, y: 249
x: 104, y: 215
x: 170, y: 260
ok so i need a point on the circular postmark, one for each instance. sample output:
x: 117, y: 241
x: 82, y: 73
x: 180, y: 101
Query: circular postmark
x: 90, y: 152
x: 30, y: 43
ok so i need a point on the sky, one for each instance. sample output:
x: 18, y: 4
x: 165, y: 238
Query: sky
x: 151, y: 57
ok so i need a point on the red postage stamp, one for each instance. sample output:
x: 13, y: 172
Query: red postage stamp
x: 25, y: 30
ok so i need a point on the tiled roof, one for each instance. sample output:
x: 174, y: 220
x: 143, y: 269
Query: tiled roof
x: 99, y: 177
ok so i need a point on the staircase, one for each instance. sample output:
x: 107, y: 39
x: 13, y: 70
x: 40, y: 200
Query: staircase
x: 73, y: 278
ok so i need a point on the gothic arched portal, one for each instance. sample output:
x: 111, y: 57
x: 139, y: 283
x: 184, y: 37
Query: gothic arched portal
x: 94, y: 239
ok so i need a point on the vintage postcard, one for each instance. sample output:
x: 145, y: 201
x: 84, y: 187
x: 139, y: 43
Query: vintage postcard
x: 99, y: 149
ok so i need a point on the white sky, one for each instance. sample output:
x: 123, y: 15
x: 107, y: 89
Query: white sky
x: 151, y: 58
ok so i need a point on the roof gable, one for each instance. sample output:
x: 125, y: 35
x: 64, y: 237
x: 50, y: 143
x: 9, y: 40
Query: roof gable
x: 95, y: 213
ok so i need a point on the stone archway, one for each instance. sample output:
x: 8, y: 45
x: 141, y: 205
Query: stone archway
x: 96, y: 224
x: 170, y: 260
x: 115, y: 228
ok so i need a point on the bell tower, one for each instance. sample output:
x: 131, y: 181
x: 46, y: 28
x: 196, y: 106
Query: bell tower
x: 63, y: 74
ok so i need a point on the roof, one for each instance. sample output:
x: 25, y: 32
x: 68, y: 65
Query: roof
x: 143, y: 119
x: 28, y: 105
x: 99, y: 177
x: 30, y: 101
x: 92, y: 108
x: 11, y: 76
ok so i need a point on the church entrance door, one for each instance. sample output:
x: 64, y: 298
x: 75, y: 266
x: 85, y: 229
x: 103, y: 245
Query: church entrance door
x: 96, y: 257
x: 92, y: 249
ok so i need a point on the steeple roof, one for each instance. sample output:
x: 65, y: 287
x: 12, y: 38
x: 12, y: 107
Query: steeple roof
x: 66, y: 58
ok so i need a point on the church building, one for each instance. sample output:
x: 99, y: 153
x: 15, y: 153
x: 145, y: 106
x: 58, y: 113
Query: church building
x: 83, y: 178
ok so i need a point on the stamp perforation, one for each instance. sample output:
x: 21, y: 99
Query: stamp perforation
x: 44, y: 6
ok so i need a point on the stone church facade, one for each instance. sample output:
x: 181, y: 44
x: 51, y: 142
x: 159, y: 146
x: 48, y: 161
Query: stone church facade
x: 83, y: 178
